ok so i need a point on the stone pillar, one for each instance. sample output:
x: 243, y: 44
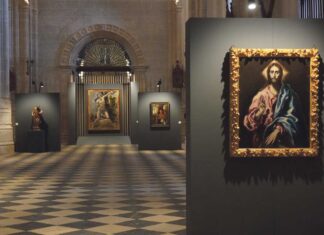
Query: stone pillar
x: 65, y: 80
x: 215, y: 8
x: 181, y: 19
x: 6, y: 133
x: 21, y: 37
x: 207, y: 8
x: 286, y: 9
x: 33, y: 39
x: 140, y: 79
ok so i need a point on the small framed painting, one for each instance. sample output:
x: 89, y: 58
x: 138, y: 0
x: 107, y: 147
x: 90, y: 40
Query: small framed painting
x: 160, y: 115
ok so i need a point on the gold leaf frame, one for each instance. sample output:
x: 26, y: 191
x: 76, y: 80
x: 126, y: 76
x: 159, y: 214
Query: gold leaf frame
x: 166, y: 107
x: 235, y: 150
x: 109, y: 125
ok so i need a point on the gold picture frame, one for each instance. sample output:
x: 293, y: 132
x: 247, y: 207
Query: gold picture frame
x: 103, y: 110
x: 160, y: 115
x: 266, y: 122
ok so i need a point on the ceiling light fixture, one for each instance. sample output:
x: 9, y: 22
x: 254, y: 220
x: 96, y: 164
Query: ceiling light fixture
x: 252, y: 4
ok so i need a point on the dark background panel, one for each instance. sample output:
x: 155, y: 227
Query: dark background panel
x: 158, y: 138
x: 244, y: 196
x: 50, y: 104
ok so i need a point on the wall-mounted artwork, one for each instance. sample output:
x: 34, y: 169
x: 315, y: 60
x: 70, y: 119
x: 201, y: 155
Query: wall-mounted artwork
x: 160, y: 115
x: 103, y: 110
x: 274, y: 102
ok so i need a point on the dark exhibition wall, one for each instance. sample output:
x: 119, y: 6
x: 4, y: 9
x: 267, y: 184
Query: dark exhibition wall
x: 244, y: 196
x: 158, y: 138
x: 72, y: 113
x: 24, y: 140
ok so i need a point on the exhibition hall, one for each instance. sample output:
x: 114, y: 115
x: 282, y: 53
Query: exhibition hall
x: 174, y: 117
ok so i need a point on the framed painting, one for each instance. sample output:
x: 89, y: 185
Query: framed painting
x: 103, y: 110
x: 160, y: 115
x: 274, y: 102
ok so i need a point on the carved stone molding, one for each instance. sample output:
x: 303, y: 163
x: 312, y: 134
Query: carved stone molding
x: 99, y: 29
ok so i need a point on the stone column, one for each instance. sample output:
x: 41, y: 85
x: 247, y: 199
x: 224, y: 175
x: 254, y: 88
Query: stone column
x: 65, y: 79
x: 140, y: 78
x: 207, y: 8
x: 215, y: 8
x: 33, y: 39
x: 181, y: 19
x: 286, y: 9
x: 21, y: 37
x: 6, y: 133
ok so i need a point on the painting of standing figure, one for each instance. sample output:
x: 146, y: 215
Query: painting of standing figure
x: 103, y: 110
x: 160, y: 115
x: 274, y: 99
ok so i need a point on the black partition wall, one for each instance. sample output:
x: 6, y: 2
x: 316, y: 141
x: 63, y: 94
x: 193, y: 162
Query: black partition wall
x: 50, y: 105
x: 244, y: 196
x: 158, y: 138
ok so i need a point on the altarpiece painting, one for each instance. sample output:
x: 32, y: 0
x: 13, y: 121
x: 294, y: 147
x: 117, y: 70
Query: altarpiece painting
x: 103, y: 110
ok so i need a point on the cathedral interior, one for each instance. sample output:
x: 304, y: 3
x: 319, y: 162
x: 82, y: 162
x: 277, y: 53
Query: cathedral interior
x: 97, y: 121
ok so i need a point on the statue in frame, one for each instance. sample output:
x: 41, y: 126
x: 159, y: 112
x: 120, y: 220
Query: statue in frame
x: 103, y: 110
x: 274, y: 102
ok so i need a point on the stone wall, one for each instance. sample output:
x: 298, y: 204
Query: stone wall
x: 145, y: 20
x: 6, y: 136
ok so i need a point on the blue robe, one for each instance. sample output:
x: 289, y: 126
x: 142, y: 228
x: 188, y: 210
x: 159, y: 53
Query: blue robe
x: 288, y: 114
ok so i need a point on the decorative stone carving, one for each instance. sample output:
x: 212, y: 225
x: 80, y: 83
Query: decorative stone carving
x: 73, y: 40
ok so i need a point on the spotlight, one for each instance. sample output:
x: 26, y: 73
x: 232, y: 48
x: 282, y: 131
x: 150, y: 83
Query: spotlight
x: 41, y: 85
x: 158, y: 85
x: 252, y: 4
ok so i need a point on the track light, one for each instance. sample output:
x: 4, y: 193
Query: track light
x: 41, y: 85
x: 158, y: 85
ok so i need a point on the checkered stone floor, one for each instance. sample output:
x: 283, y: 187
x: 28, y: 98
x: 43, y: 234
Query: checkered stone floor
x: 112, y: 189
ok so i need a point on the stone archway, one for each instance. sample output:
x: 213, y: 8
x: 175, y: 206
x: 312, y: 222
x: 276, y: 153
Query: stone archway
x: 78, y: 39
x: 69, y: 52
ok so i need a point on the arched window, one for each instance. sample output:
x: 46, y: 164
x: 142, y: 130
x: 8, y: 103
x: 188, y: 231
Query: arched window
x: 103, y: 52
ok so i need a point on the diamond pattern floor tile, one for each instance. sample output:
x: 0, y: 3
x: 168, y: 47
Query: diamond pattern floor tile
x: 162, y: 218
x: 54, y: 230
x: 59, y: 221
x: 111, y: 219
x: 111, y: 229
x: 95, y: 190
x: 7, y: 231
x: 165, y: 228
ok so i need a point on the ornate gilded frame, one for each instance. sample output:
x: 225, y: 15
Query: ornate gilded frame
x: 104, y: 124
x: 154, y: 123
x: 235, y: 150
